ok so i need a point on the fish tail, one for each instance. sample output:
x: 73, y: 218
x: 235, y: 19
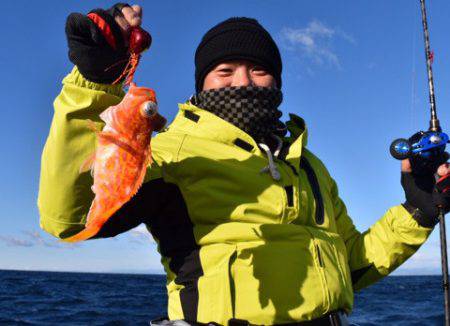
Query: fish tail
x: 97, y: 217
x: 92, y: 226
x: 85, y: 234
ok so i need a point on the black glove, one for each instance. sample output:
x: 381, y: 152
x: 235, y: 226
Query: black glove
x: 96, y: 44
x: 424, y: 166
x: 424, y: 195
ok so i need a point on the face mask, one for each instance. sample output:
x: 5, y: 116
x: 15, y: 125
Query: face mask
x: 252, y: 109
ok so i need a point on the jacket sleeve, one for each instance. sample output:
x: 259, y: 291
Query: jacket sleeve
x: 378, y: 251
x: 65, y: 195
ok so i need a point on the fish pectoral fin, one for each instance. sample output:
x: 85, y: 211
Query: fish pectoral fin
x: 88, y: 164
x: 91, y: 125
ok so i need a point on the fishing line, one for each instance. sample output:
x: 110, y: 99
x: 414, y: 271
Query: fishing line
x: 413, y: 68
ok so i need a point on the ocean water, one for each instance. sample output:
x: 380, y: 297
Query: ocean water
x: 47, y: 298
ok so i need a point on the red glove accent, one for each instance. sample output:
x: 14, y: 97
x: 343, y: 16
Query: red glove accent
x: 104, y: 28
x: 443, y: 184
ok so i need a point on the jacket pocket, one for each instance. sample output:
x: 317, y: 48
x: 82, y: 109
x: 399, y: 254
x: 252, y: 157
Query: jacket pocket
x: 333, y: 260
x: 215, y: 286
x: 278, y: 282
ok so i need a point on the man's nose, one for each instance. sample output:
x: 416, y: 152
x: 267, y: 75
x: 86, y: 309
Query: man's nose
x: 242, y: 77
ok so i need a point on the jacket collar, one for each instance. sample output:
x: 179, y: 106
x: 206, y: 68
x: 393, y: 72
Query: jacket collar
x: 195, y: 121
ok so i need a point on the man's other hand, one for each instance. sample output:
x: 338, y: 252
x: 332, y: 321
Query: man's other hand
x: 443, y: 169
x: 422, y: 196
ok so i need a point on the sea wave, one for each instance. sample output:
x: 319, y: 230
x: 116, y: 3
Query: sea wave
x: 47, y: 298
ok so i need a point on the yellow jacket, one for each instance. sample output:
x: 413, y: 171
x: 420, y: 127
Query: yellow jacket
x: 234, y: 242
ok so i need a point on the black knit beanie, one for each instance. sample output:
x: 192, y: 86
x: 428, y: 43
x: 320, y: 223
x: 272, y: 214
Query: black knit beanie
x: 237, y: 38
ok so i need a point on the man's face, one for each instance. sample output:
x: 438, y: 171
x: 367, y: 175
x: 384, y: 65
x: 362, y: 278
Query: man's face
x: 238, y: 73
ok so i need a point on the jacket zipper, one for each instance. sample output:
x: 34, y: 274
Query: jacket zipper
x: 319, y: 256
x: 289, y: 189
x: 290, y: 195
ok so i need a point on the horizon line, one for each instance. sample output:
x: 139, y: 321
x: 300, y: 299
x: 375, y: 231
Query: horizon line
x: 156, y: 272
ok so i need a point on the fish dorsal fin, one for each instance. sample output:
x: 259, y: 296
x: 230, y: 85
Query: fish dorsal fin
x: 88, y: 164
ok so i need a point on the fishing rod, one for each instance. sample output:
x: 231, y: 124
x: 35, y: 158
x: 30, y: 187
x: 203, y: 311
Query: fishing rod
x: 427, y: 147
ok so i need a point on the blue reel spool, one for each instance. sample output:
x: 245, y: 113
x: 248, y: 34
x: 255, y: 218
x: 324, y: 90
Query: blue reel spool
x: 426, y: 144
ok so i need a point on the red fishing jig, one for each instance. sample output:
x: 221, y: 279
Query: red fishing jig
x: 140, y: 40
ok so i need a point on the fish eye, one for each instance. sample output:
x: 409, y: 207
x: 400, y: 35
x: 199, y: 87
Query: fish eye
x: 149, y: 109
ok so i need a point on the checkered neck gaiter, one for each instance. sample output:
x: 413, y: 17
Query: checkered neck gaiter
x: 252, y: 109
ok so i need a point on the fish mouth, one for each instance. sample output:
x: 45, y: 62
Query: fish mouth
x: 159, y: 122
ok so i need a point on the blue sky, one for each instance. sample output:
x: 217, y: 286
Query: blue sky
x: 354, y: 70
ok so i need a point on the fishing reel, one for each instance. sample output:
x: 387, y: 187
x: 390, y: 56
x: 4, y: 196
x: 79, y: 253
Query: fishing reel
x: 426, y: 152
x: 425, y: 145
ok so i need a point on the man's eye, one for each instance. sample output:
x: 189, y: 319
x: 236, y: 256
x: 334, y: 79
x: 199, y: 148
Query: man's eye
x: 225, y: 70
x: 259, y: 70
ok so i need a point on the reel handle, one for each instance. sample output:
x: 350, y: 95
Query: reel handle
x: 401, y: 149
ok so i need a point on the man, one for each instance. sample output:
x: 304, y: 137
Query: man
x: 248, y: 221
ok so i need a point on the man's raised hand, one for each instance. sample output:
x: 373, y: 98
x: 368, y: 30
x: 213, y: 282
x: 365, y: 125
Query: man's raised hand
x: 98, y: 41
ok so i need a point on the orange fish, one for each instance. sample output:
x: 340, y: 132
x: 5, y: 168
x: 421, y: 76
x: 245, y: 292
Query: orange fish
x: 123, y: 153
